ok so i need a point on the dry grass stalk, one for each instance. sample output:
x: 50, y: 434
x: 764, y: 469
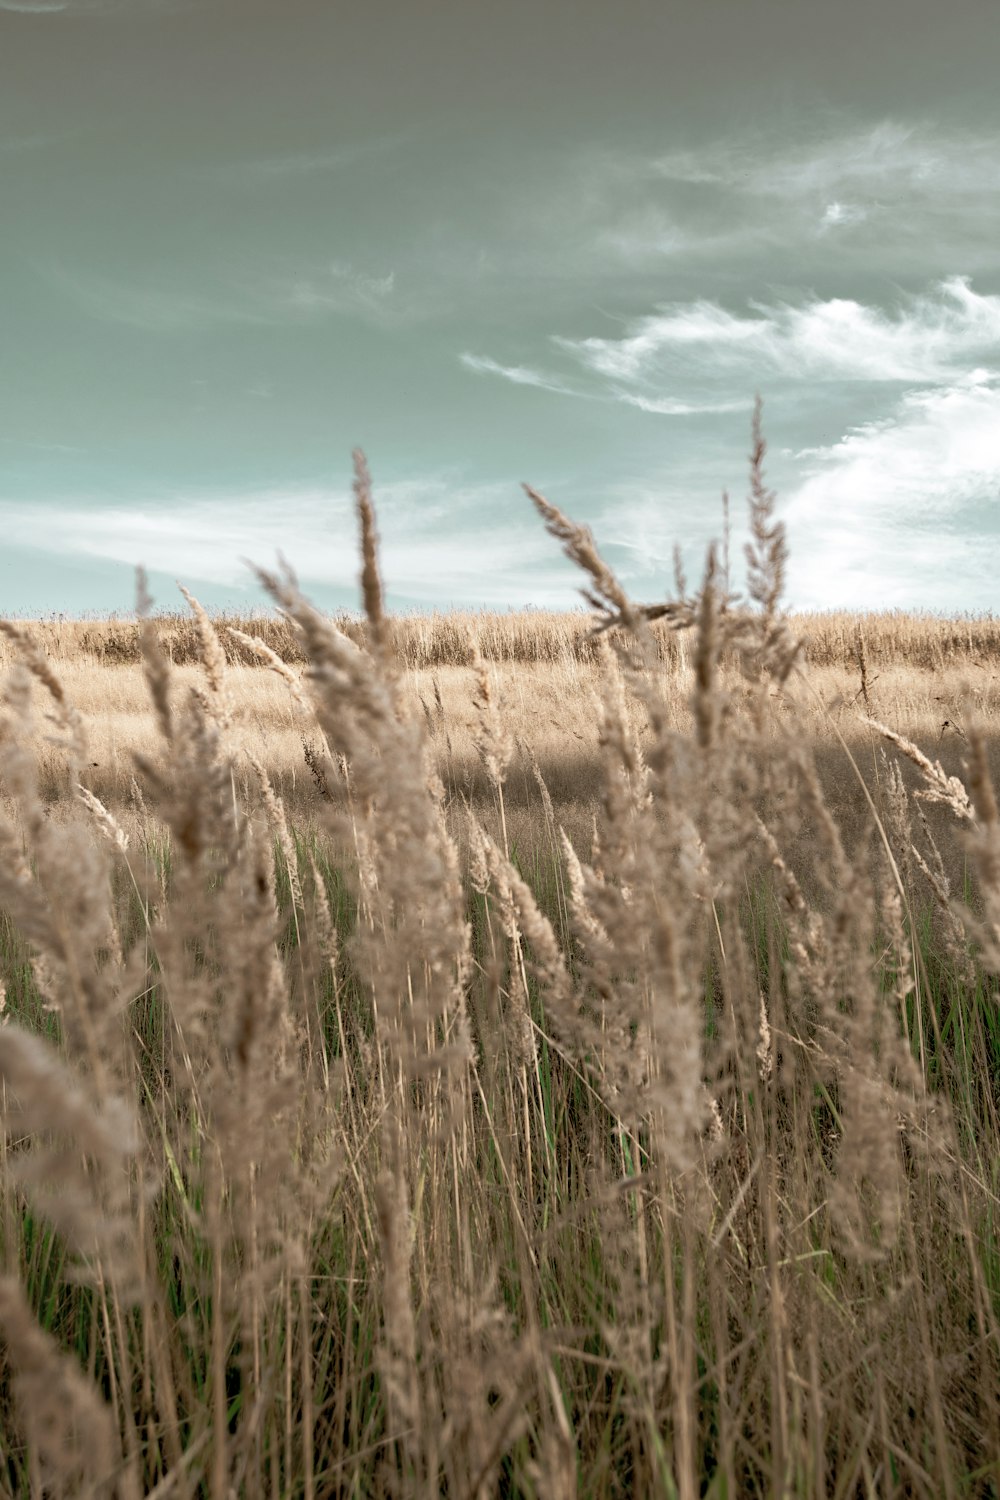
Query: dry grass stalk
x: 544, y: 961
x: 157, y: 668
x: 589, y: 926
x: 939, y: 786
x: 493, y: 742
x: 983, y: 843
x: 65, y: 715
x: 106, y: 822
x: 863, y: 669
x: 767, y: 554
x: 73, y: 1441
x: 413, y: 949
x: 212, y: 655
x: 371, y: 583
x: 78, y: 1172
x: 279, y: 827
x: 277, y: 665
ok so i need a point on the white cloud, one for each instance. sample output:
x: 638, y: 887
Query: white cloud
x: 904, y: 512
x: 305, y: 163
x: 930, y: 338
x: 339, y: 288
x: 885, y: 157
x: 439, y: 542
x: 688, y: 359
x: 649, y: 229
x: 665, y: 407
x: 660, y: 406
x: 837, y: 213
x: 700, y: 324
x: 517, y: 374
x: 647, y: 518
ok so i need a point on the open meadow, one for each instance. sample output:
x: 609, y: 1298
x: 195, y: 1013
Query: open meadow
x: 531, y: 1054
x: 918, y: 675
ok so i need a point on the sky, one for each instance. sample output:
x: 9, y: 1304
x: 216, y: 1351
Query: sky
x: 564, y: 243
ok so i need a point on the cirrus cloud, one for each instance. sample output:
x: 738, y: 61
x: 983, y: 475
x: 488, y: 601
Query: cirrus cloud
x: 930, y: 337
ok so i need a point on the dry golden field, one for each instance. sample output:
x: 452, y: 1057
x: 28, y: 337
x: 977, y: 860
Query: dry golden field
x: 920, y: 676
x: 573, y: 1072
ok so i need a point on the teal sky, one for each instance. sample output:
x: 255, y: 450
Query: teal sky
x: 561, y: 242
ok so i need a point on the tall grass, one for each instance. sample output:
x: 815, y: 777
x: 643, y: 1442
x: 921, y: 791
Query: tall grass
x: 380, y: 1162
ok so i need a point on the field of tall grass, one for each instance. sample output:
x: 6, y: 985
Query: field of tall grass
x: 406, y: 1095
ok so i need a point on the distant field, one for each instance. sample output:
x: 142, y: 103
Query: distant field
x: 922, y: 674
x: 891, y: 638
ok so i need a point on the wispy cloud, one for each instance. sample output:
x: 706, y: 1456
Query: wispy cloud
x: 666, y: 407
x: 34, y: 7
x: 661, y: 406
x: 881, y: 157
x: 338, y: 287
x: 439, y: 541
x: 154, y: 309
x: 929, y: 338
x: 517, y: 374
x: 247, y: 295
x: 91, y: 7
x: 897, y: 192
x: 308, y: 163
